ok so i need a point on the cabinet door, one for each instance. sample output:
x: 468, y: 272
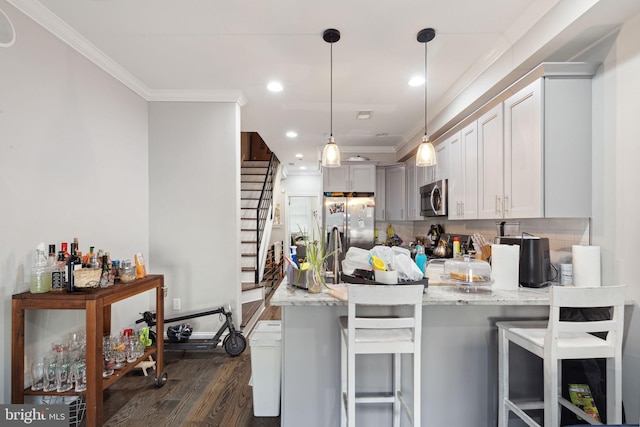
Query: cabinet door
x: 523, y: 153
x: 395, y: 193
x: 413, y: 209
x: 362, y: 178
x: 490, y: 161
x: 456, y: 176
x: 442, y: 161
x: 380, y: 194
x: 335, y: 179
x: 469, y: 166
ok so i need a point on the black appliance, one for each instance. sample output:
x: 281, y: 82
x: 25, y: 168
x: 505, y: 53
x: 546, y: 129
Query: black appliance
x: 535, y: 264
x: 433, y: 199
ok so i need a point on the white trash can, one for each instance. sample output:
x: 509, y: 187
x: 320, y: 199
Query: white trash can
x: 266, y: 354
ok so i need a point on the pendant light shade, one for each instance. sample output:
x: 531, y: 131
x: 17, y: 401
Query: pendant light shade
x: 331, y: 152
x: 426, y: 155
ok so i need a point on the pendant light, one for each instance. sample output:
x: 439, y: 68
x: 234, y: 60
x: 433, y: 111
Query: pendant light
x: 331, y: 152
x: 426, y: 155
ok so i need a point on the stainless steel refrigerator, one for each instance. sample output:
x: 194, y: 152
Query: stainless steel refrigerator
x: 348, y: 221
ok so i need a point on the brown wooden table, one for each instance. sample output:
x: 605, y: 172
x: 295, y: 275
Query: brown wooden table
x: 97, y: 305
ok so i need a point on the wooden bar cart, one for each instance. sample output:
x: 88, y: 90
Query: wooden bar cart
x: 97, y: 305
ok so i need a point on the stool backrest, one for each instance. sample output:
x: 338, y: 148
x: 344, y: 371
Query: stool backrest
x: 604, y: 296
x: 387, y: 296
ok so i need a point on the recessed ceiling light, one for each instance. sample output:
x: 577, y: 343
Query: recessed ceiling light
x: 416, y: 81
x: 299, y: 156
x: 303, y: 167
x: 291, y: 134
x: 275, y: 87
x: 364, y: 115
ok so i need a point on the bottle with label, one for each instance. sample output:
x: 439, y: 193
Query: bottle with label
x: 106, y: 272
x: 40, y: 272
x: 64, y: 247
x: 87, y: 257
x: 421, y: 258
x: 58, y: 274
x: 73, y: 263
x: 457, y: 252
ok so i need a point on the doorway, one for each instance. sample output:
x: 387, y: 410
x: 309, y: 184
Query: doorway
x: 302, y: 219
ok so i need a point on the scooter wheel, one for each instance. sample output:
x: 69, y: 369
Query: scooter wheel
x: 162, y: 379
x: 235, y: 347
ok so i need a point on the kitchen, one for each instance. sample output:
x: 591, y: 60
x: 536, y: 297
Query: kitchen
x: 125, y: 128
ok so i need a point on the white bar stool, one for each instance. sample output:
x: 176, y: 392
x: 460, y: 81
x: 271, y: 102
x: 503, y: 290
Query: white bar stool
x: 399, y: 335
x: 556, y: 340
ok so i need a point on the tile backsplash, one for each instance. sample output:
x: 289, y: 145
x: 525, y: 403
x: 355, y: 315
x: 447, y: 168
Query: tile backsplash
x: 561, y: 232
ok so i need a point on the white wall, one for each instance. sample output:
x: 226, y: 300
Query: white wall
x: 194, y: 205
x: 616, y: 199
x: 73, y: 163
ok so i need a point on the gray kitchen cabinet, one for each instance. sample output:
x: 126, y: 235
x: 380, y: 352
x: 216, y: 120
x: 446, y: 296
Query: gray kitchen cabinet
x: 395, y: 193
x: 534, y: 148
x: 350, y: 177
x: 380, y: 193
x: 463, y: 173
x: 413, y: 189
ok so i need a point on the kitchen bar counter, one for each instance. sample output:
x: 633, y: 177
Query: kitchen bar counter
x: 459, y: 357
x: 434, y: 295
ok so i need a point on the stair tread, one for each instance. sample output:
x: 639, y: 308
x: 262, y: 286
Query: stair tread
x: 248, y: 286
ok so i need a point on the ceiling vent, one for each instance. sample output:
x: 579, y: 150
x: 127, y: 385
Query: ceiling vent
x: 364, y: 115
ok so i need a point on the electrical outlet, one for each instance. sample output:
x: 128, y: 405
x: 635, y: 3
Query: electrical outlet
x: 176, y: 303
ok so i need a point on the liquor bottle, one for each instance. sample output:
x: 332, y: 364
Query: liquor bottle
x: 106, y: 272
x: 73, y: 263
x: 58, y: 274
x: 87, y: 257
x: 64, y: 248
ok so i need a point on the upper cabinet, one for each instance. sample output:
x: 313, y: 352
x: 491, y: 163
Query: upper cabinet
x: 463, y: 173
x: 534, y: 151
x: 350, y: 177
x: 380, y: 194
x: 395, y: 193
x: 414, y: 182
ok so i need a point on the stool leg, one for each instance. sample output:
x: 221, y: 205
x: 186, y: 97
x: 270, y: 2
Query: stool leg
x: 417, y: 384
x: 551, y: 391
x: 343, y: 382
x: 503, y: 378
x: 397, y: 385
x: 351, y: 387
x: 614, y: 390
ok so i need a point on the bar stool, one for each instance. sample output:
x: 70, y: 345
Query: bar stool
x: 556, y: 340
x: 397, y: 335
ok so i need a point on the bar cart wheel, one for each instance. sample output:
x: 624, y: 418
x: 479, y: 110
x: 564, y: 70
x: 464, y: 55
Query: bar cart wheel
x: 162, y: 379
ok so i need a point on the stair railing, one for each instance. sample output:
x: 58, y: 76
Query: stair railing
x: 263, y: 211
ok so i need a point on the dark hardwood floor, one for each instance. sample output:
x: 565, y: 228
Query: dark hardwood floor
x: 204, y: 388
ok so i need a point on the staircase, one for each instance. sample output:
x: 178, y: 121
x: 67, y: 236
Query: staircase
x: 256, y: 184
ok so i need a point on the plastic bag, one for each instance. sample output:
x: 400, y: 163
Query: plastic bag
x: 355, y: 258
x: 407, y: 269
x: 385, y: 253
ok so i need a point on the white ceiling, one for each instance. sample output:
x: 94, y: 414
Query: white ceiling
x: 231, y: 49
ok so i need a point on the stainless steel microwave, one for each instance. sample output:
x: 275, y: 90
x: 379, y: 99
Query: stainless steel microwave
x: 433, y: 199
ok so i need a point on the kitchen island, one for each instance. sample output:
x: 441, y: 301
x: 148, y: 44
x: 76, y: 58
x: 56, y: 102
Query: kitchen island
x: 459, y: 356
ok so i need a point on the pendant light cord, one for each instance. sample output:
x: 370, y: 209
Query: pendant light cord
x: 425, y: 89
x: 331, y: 92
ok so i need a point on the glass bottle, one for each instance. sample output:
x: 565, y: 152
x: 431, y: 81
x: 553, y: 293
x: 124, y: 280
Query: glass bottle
x: 40, y: 272
x: 64, y: 247
x: 73, y: 263
x: 106, y: 272
x: 58, y: 274
x: 421, y: 258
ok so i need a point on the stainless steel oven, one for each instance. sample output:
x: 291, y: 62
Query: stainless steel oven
x: 433, y: 199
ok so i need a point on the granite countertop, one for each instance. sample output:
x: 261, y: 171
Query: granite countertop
x: 286, y: 295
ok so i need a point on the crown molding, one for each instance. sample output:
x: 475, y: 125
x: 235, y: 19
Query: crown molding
x: 60, y: 29
x: 52, y: 23
x: 235, y: 96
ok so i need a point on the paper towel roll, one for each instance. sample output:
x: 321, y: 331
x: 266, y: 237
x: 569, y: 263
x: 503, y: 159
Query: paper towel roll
x: 505, y: 266
x: 586, y: 266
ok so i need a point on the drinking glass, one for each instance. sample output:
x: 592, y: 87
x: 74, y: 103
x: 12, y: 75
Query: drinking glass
x: 49, y: 377
x: 132, y: 355
x: 118, y: 345
x: 64, y: 380
x: 37, y: 375
x: 80, y: 375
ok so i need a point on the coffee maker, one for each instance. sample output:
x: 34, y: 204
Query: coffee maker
x: 535, y: 263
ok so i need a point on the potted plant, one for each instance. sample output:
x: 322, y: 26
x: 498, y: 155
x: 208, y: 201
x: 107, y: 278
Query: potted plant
x: 315, y: 261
